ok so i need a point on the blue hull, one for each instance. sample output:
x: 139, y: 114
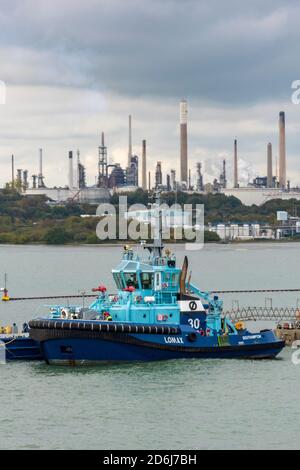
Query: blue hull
x: 76, y: 351
x: 21, y: 349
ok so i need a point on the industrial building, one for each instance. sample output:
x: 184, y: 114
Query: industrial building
x: 287, y: 226
x: 251, y: 195
x: 75, y: 190
x: 171, y: 218
x: 110, y: 177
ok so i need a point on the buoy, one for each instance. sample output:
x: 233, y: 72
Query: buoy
x: 5, y: 296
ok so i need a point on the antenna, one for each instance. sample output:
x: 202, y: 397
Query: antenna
x: 158, y: 221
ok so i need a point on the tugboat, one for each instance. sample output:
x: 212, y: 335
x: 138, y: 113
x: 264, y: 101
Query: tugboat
x: 18, y: 347
x: 156, y: 314
x: 14, y: 345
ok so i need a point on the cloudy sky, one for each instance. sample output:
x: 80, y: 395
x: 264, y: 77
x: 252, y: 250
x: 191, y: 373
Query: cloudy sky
x: 75, y: 68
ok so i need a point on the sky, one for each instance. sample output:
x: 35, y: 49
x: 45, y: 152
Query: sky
x: 71, y: 69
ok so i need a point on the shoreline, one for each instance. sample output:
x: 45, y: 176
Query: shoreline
x: 126, y: 242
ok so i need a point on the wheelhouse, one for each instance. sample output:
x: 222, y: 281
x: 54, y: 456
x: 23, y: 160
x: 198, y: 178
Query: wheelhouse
x: 146, y: 277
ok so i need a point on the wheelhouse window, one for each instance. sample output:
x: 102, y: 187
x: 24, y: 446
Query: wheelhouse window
x: 131, y: 280
x: 118, y: 280
x: 175, y: 279
x: 147, y: 280
x: 171, y: 279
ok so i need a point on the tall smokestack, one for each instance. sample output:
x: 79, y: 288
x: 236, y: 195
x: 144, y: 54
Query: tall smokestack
x: 41, y: 163
x: 149, y: 180
x: 129, y: 141
x: 40, y: 175
x: 71, y: 182
x: 235, y: 166
x: 183, y: 141
x: 282, y: 154
x: 173, y: 180
x: 77, y: 170
x: 144, y: 167
x: 12, y: 171
x: 269, y: 166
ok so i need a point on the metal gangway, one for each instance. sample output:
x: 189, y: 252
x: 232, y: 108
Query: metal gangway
x: 276, y: 314
x: 268, y: 312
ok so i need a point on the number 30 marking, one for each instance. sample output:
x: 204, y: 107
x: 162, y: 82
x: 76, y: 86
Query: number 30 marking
x: 194, y: 323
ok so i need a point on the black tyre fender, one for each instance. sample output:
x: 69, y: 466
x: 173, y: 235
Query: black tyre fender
x: 192, y: 337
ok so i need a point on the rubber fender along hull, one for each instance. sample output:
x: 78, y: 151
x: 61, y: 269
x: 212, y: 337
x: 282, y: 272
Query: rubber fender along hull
x: 102, y: 327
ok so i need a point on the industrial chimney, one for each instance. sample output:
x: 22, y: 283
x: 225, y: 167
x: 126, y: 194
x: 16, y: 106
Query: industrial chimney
x: 183, y: 142
x: 12, y: 171
x: 144, y: 167
x: 173, y: 180
x: 235, y: 166
x: 282, y: 153
x: 158, y: 175
x: 41, y: 183
x: 71, y: 182
x: 129, y: 141
x: 269, y: 166
x: 199, y: 184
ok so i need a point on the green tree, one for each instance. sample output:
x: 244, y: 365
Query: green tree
x: 57, y: 236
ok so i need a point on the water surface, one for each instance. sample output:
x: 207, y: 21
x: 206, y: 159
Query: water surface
x: 172, y: 404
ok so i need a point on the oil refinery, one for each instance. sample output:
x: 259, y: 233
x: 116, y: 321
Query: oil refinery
x: 112, y: 177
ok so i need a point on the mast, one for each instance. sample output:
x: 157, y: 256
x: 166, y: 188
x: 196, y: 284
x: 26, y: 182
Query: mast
x: 157, y: 246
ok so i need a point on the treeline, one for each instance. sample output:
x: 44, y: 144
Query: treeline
x: 36, y: 220
x: 71, y: 230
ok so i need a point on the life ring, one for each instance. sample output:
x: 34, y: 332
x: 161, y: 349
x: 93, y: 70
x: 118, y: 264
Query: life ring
x: 201, y: 332
x: 64, y: 313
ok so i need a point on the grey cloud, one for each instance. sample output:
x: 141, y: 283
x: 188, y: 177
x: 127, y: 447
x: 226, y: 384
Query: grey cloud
x: 74, y: 68
x: 211, y: 50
